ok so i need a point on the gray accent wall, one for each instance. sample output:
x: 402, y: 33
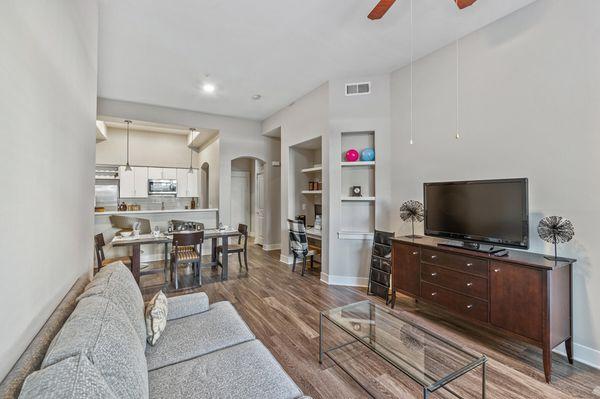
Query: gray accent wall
x: 48, y: 118
x: 530, y: 94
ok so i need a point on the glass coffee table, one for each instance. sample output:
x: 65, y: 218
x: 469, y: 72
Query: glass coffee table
x: 427, y: 358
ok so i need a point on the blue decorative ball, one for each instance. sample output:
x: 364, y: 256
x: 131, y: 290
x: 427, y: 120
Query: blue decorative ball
x: 368, y: 154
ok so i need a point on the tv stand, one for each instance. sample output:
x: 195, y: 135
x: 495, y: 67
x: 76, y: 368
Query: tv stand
x: 523, y: 295
x: 472, y: 246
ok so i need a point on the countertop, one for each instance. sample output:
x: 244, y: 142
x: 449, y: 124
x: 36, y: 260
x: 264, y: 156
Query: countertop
x: 108, y: 213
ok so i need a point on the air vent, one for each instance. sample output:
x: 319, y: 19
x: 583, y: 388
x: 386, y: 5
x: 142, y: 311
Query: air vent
x: 358, y: 89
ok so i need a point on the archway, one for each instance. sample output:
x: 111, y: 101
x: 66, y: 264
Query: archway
x: 204, y: 185
x: 247, y: 199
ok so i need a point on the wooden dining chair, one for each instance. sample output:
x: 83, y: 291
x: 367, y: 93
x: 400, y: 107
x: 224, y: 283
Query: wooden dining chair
x: 101, y: 258
x: 238, y: 248
x: 299, y: 244
x: 187, y: 248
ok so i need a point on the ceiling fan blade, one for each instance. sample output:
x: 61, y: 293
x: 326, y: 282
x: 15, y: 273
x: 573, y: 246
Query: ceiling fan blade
x: 380, y: 9
x: 464, y: 3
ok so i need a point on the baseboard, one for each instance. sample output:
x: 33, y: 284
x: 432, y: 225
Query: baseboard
x: 345, y: 280
x: 258, y: 240
x: 287, y: 259
x: 271, y: 247
x: 582, y: 354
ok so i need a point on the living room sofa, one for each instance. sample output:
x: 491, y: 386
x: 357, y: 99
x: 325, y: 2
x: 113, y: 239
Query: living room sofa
x: 206, y: 350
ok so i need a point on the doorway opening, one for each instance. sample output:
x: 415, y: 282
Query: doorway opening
x: 204, y: 179
x: 247, y: 203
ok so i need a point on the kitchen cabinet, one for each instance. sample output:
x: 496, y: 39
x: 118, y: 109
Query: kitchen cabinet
x: 406, y: 268
x: 133, y: 183
x: 162, y: 173
x: 187, y: 183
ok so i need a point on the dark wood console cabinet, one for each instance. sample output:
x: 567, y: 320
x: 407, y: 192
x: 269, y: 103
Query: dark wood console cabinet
x: 523, y: 295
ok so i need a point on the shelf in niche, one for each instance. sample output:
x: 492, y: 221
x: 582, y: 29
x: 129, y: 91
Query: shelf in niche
x: 311, y: 170
x: 358, y: 163
x: 312, y: 191
x: 358, y: 199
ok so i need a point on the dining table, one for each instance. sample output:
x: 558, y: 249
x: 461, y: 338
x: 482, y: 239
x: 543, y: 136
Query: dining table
x: 136, y: 241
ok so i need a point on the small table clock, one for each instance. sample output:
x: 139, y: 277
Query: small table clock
x: 356, y: 191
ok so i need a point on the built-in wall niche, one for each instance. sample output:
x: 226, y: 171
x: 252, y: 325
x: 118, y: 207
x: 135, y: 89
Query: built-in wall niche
x: 306, y: 178
x: 358, y: 194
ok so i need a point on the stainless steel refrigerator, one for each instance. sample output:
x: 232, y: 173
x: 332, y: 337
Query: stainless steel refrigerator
x: 107, y: 194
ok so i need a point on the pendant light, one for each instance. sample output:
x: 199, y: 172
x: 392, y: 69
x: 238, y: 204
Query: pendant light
x: 411, y: 72
x: 191, y: 170
x: 127, y: 167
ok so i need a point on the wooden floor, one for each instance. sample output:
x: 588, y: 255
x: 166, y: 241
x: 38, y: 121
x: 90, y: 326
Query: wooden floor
x: 282, y: 309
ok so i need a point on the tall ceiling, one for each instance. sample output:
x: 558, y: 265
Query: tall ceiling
x: 160, y: 52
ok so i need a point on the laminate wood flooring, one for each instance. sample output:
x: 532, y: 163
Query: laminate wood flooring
x: 282, y: 309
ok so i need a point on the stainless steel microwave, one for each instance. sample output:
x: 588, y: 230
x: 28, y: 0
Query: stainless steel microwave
x: 162, y: 187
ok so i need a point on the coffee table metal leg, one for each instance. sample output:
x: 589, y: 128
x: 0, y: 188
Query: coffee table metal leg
x: 483, y: 380
x: 425, y: 393
x: 321, y: 339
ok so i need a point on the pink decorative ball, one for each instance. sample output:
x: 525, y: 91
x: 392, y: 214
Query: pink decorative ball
x: 352, y: 155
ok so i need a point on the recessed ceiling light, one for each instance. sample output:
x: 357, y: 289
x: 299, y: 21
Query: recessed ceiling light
x: 208, y: 88
x: 256, y: 97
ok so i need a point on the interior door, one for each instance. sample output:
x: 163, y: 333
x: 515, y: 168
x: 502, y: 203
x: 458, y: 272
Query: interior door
x: 240, y: 198
x: 260, y: 207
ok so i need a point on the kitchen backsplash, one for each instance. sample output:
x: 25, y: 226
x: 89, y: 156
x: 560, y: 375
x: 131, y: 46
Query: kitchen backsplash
x: 155, y: 203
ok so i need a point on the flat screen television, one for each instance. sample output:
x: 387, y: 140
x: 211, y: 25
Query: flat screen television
x: 492, y: 212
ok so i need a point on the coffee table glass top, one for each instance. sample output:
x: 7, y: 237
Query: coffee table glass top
x: 429, y: 359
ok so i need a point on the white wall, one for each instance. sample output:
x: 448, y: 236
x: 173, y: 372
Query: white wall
x: 48, y: 119
x: 210, y: 155
x: 307, y: 118
x: 145, y: 149
x: 530, y: 98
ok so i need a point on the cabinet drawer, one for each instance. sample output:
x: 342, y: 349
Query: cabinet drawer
x: 458, y: 262
x: 467, y: 284
x: 460, y: 304
x: 406, y: 268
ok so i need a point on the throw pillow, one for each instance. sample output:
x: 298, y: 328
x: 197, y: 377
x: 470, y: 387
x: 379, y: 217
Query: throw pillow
x: 156, y: 317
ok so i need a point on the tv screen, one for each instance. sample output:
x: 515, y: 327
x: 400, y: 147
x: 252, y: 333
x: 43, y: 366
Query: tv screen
x: 485, y: 211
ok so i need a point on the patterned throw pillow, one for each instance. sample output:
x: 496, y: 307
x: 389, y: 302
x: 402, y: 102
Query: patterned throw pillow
x: 156, y: 317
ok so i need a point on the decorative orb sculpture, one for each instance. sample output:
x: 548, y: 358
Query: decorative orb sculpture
x: 412, y: 211
x: 555, y: 230
x: 352, y: 155
x: 368, y: 154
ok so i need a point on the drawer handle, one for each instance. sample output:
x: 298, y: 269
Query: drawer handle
x: 469, y: 306
x: 469, y: 264
x: 433, y: 274
x: 433, y: 256
x: 496, y: 270
x: 415, y: 253
x: 433, y: 293
x: 469, y: 284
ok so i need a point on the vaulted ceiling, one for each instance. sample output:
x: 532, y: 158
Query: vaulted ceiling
x: 160, y: 52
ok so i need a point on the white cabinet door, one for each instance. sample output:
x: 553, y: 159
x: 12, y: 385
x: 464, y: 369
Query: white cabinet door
x: 140, y: 182
x: 126, y: 183
x: 182, y: 183
x: 192, y: 188
x: 155, y: 173
x: 169, y: 174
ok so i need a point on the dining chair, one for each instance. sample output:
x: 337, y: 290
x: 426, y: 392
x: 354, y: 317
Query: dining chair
x: 299, y: 244
x: 187, y: 248
x: 238, y: 248
x: 101, y: 258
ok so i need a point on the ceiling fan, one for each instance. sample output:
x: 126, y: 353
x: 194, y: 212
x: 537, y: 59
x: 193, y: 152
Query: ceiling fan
x: 384, y: 5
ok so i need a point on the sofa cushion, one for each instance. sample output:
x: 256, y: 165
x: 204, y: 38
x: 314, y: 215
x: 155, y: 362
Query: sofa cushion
x: 247, y: 370
x: 74, y: 377
x: 116, y: 283
x: 101, y: 330
x: 199, y: 334
x: 187, y: 305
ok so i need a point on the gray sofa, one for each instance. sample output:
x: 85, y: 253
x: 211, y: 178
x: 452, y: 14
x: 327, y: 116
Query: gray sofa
x: 206, y: 351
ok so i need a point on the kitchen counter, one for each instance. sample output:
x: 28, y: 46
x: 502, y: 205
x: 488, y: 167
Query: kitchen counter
x: 147, y: 212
